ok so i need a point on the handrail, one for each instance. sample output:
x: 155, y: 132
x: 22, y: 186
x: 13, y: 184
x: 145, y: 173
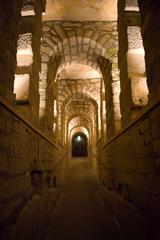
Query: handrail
x: 14, y: 111
x: 134, y: 122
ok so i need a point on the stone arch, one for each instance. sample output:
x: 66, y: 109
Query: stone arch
x: 79, y: 145
x: 87, y: 46
x: 72, y: 109
x: 79, y: 121
x: 57, y: 35
x: 81, y: 97
x: 92, y: 44
x: 80, y: 129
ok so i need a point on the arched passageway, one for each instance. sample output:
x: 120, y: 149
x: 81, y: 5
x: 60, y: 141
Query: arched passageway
x: 79, y: 145
x: 79, y: 78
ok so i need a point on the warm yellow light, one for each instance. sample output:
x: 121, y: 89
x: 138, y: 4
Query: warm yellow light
x: 78, y: 138
x: 24, y: 57
x: 55, y: 108
x: 54, y: 127
x: 27, y: 12
x: 21, y: 86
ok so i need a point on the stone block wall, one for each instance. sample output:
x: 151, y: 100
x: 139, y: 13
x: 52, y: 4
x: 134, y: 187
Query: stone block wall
x: 30, y: 167
x: 74, y: 101
x: 129, y: 166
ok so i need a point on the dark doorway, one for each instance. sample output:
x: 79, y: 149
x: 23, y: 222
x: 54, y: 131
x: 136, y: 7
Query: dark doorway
x: 79, y: 145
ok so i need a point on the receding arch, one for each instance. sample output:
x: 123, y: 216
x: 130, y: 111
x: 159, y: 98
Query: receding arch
x: 79, y: 145
x: 97, y: 49
x: 84, y: 130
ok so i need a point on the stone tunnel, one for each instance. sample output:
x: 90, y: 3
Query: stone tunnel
x: 79, y: 119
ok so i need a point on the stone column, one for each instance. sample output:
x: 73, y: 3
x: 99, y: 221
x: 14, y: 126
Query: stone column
x: 26, y: 85
x: 48, y: 91
x: 10, y: 12
x: 112, y: 89
x: 149, y: 13
x: 125, y: 95
x: 134, y: 90
x: 103, y: 112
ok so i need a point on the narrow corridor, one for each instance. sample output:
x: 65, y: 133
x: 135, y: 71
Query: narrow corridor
x: 79, y: 78
x: 80, y: 214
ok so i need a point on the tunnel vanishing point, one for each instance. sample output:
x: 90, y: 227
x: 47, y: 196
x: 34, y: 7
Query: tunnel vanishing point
x: 71, y: 72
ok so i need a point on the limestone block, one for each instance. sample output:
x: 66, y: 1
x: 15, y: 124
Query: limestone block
x: 155, y: 130
x: 144, y: 126
x: 60, y: 47
x: 25, y: 53
x: 147, y: 138
x: 3, y: 161
x: 66, y: 50
x: 21, y: 86
x: 45, y: 49
x: 60, y: 31
x: 73, y: 50
x: 16, y: 186
x: 156, y: 146
x: 146, y: 164
x: 49, y: 42
x: 27, y: 10
x: 44, y: 58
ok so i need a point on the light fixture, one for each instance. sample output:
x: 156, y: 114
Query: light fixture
x: 78, y: 138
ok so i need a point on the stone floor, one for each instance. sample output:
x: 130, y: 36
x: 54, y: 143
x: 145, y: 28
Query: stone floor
x: 80, y: 213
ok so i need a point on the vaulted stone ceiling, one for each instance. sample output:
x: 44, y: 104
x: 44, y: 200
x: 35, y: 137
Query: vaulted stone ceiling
x: 81, y: 10
x: 78, y: 71
x: 79, y: 46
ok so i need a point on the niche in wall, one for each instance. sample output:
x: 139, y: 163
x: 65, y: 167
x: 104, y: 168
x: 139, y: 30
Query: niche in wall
x: 136, y: 67
x: 21, y: 87
x: 24, y: 68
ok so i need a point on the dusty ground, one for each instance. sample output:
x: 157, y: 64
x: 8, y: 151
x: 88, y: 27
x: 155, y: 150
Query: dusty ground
x: 80, y: 214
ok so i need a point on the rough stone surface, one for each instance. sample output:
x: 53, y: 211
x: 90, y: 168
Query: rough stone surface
x: 81, y: 10
x: 112, y: 105
x: 29, y: 41
x: 128, y: 165
x: 24, y: 172
x: 150, y: 32
x: 80, y: 212
x: 10, y: 14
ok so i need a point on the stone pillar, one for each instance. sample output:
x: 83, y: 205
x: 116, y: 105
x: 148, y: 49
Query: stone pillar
x: 103, y: 112
x: 47, y: 92
x: 134, y: 90
x: 10, y: 12
x: 109, y: 105
x: 26, y: 85
x: 111, y: 82
x: 150, y: 18
x: 125, y: 95
x: 116, y: 96
x: 136, y: 70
